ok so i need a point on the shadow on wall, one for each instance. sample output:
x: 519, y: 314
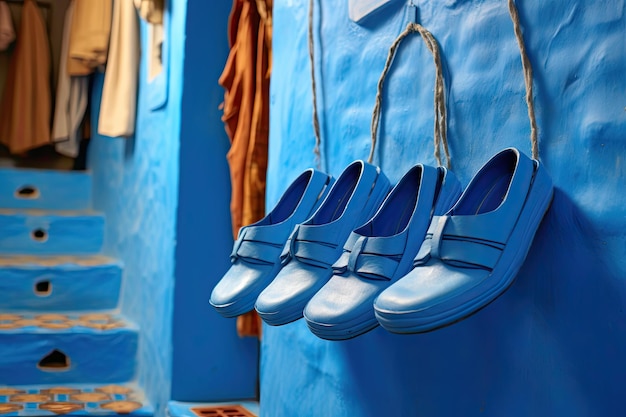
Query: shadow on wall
x: 540, y: 332
x: 535, y: 350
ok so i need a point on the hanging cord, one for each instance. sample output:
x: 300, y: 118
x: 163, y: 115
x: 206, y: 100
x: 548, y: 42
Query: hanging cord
x: 440, y: 124
x: 316, y: 122
x: 528, y: 78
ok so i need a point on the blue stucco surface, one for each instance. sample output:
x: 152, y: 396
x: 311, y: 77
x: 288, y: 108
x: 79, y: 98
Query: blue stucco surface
x: 83, y: 287
x: 54, y: 190
x: 93, y: 356
x: 553, y: 343
x: 63, y: 233
x: 136, y: 186
x: 210, y: 362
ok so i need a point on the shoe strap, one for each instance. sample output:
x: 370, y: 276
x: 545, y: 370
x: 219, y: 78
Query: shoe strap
x: 257, y: 245
x: 375, y: 258
x: 447, y: 241
x: 307, y: 244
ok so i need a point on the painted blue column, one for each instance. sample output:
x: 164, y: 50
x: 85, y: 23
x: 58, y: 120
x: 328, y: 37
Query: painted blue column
x: 210, y: 362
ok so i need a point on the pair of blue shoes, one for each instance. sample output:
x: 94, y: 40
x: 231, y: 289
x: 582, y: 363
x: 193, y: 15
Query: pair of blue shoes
x: 419, y: 263
x: 264, y: 250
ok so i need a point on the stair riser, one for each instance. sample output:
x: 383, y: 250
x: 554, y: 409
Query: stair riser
x: 94, y: 358
x: 53, y: 190
x: 68, y: 235
x: 69, y: 287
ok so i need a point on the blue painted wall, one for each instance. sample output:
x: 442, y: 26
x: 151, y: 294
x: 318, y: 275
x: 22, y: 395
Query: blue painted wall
x: 554, y: 343
x: 166, y: 196
x: 211, y: 363
x: 136, y: 186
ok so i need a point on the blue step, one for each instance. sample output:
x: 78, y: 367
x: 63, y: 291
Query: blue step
x: 59, y: 283
x: 66, y: 348
x: 197, y: 409
x: 45, y: 189
x: 50, y: 232
x: 77, y: 399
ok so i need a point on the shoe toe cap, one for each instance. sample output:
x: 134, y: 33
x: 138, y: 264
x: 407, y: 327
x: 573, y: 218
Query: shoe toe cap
x: 239, y: 284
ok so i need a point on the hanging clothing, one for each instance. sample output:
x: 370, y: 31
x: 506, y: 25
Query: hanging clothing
x: 89, y: 36
x: 256, y: 158
x: 150, y: 10
x: 26, y: 101
x: 246, y: 102
x: 119, y: 94
x: 71, y: 99
x: 7, y: 32
x: 245, y: 80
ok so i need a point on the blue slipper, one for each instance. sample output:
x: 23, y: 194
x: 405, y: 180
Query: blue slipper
x: 317, y: 243
x: 380, y: 252
x: 472, y: 254
x: 256, y: 253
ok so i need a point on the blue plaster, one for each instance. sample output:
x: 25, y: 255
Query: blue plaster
x: 211, y: 363
x: 95, y: 356
x: 56, y: 190
x: 136, y: 186
x: 67, y: 233
x: 83, y: 287
x: 553, y: 343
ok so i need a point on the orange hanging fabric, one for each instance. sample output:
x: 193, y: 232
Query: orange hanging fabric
x: 245, y: 79
x: 26, y: 103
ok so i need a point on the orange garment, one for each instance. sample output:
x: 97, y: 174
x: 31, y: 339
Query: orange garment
x: 89, y: 36
x: 26, y: 103
x: 246, y: 78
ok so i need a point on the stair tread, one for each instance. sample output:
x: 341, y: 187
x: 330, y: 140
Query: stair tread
x: 77, y: 399
x: 186, y: 409
x: 43, y: 260
x: 61, y: 323
x: 55, y: 172
x: 46, y: 212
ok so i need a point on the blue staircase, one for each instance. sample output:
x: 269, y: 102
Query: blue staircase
x: 64, y: 346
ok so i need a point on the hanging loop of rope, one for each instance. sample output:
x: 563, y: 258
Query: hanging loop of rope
x: 316, y: 121
x: 528, y: 78
x: 440, y: 137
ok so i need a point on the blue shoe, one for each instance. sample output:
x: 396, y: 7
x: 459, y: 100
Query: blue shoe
x: 472, y: 254
x: 317, y: 243
x: 256, y: 253
x: 380, y: 252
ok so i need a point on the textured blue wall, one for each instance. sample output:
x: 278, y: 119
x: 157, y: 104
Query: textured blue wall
x: 554, y: 343
x: 136, y: 186
x: 210, y: 361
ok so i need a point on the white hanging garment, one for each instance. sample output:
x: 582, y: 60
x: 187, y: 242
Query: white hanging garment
x: 150, y: 10
x: 71, y: 100
x: 7, y: 31
x: 119, y: 94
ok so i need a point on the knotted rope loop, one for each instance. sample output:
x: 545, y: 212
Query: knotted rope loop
x: 440, y: 136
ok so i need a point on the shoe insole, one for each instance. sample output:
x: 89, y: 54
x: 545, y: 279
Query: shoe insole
x: 487, y: 191
x: 289, y: 201
x: 333, y: 207
x: 396, y: 212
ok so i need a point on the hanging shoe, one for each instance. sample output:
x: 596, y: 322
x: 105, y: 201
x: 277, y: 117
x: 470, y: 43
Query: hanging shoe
x: 472, y: 254
x: 256, y: 253
x: 380, y: 252
x: 317, y: 243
